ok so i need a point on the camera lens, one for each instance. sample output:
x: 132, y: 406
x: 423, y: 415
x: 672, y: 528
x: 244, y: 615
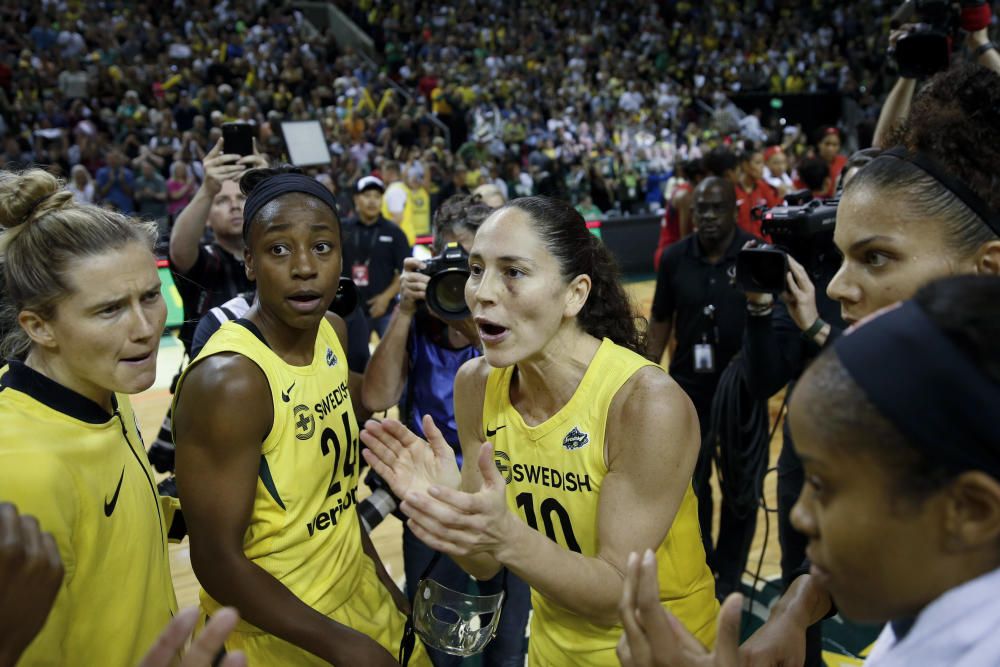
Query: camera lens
x: 446, y: 294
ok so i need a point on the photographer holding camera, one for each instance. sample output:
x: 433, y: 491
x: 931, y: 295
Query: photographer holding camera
x: 922, y: 34
x: 430, y: 335
x: 782, y: 336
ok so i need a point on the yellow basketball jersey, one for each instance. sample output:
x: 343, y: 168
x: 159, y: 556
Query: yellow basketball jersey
x: 304, y: 528
x: 554, y: 473
x: 83, y: 473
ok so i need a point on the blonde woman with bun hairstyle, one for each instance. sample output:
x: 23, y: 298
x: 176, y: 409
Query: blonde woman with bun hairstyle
x: 83, y: 315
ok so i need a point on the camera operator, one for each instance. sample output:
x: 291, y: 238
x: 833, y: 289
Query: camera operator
x: 781, y: 337
x: 374, y: 250
x: 416, y: 361
x: 695, y: 298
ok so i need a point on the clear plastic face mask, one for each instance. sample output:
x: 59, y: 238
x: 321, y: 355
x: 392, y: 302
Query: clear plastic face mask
x: 454, y: 622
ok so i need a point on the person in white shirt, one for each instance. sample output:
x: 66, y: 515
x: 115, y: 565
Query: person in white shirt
x: 81, y: 185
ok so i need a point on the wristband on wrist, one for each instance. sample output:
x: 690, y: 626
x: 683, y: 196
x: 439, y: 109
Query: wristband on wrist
x: 816, y: 327
x: 982, y: 48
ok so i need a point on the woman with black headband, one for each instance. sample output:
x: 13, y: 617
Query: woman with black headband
x: 267, y: 452
x: 896, y: 426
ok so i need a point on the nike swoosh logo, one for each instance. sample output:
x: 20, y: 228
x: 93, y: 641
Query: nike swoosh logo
x: 109, y: 508
x: 490, y: 434
x: 285, y: 394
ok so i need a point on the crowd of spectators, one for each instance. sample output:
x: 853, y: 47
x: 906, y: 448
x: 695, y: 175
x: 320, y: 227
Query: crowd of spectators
x: 595, y: 101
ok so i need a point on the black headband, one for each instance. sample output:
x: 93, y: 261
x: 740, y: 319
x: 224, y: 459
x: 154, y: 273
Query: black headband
x: 281, y: 184
x: 954, y: 185
x: 916, y: 377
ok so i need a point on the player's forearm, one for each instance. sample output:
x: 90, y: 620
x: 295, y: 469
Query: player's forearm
x: 588, y: 587
x: 264, y: 602
x: 188, y: 229
x: 386, y: 373
x: 397, y: 595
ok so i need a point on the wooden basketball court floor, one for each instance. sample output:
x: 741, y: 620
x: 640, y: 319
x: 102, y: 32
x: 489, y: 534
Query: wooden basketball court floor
x: 151, y: 405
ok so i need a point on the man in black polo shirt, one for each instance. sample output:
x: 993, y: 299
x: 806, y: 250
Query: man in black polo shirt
x: 374, y: 250
x: 698, y: 303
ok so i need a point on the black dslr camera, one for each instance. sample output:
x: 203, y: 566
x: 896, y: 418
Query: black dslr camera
x: 446, y: 290
x: 926, y: 49
x: 805, y: 232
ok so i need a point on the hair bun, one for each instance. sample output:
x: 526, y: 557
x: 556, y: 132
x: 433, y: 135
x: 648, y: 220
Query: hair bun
x: 29, y: 195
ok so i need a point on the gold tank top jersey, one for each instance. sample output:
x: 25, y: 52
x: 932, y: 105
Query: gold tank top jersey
x: 554, y: 473
x: 304, y: 527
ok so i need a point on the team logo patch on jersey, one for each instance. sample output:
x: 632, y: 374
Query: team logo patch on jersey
x: 575, y: 439
x: 305, y: 423
x: 331, y: 358
x: 502, y: 462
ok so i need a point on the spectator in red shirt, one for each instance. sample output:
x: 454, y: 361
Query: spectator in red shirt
x: 829, y: 149
x: 752, y: 191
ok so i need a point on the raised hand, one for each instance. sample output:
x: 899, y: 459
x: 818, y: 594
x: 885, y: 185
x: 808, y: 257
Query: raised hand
x: 407, y: 463
x: 655, y: 638
x: 220, y: 167
x: 412, y: 285
x: 800, y: 297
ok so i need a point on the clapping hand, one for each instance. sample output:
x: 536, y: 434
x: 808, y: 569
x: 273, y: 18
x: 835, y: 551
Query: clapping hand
x: 407, y: 463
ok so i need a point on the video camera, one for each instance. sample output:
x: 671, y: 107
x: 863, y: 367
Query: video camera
x: 446, y: 290
x: 926, y: 48
x: 805, y: 232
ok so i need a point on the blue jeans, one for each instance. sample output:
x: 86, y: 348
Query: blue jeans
x: 508, y: 647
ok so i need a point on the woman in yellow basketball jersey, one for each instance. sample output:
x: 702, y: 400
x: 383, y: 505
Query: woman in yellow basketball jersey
x: 579, y: 450
x: 267, y: 452
x: 84, y: 314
